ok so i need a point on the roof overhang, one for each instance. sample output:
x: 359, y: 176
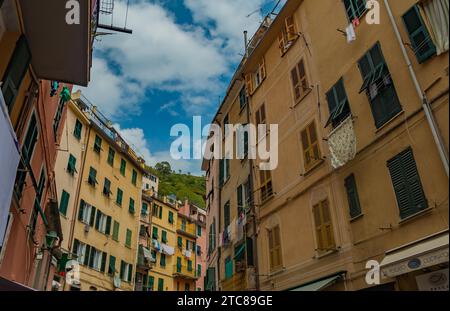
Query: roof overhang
x: 418, y: 255
x: 60, y: 51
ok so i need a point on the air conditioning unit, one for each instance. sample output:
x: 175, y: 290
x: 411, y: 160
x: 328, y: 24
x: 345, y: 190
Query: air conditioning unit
x: 87, y: 228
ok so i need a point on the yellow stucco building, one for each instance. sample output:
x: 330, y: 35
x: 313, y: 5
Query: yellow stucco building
x: 362, y: 174
x: 100, y: 180
x: 163, y: 234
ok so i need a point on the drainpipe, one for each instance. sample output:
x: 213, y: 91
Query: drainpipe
x: 425, y: 103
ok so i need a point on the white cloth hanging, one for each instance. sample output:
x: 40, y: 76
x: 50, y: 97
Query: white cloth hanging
x: 437, y: 14
x: 9, y: 161
x: 168, y: 250
x: 342, y: 143
x: 351, y: 34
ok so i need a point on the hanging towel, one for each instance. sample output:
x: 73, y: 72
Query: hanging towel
x: 9, y: 161
x: 351, y: 35
x: 168, y: 250
x: 342, y: 143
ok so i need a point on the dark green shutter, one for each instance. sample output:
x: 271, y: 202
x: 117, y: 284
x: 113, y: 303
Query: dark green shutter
x: 87, y: 255
x: 108, y: 225
x: 407, y: 184
x: 226, y: 212
x: 122, y: 270
x: 164, y: 236
x: 64, y: 203
x: 16, y: 71
x: 130, y: 273
x: 76, y: 244
x: 155, y: 233
x: 170, y: 217
x: 161, y: 285
x: 240, y: 200
x: 92, y: 220
x: 151, y: 283
x: 80, y: 211
x: 353, y: 197
x: 221, y: 172
x: 160, y: 212
x: 97, y: 220
x: 112, y: 265
x: 421, y: 41
x: 103, y: 266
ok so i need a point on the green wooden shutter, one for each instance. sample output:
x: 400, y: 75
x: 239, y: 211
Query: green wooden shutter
x: 87, y: 255
x: 221, y: 172
x: 163, y: 236
x: 97, y: 220
x: 418, y: 33
x: 180, y: 242
x: 160, y: 212
x: 123, y: 166
x: 81, y: 210
x: 161, y: 285
x: 240, y: 200
x: 119, y: 199
x: 116, y: 231
x: 111, y: 154
x: 162, y: 261
x: 130, y: 273
x: 122, y: 270
x: 134, y: 178
x: 64, y: 203
x: 71, y: 165
x: 131, y: 206
x: 103, y: 265
x: 170, y: 217
x: 226, y: 213
x: 97, y: 144
x: 353, y: 197
x: 407, y: 184
x: 128, y: 238
x: 108, y: 225
x: 76, y: 244
x: 155, y: 233
x: 228, y: 268
x: 92, y: 220
x: 178, y: 264
x: 151, y: 283
x: 78, y: 129
x: 16, y: 71
x: 112, y: 265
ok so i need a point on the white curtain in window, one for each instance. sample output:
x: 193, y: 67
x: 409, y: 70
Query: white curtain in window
x: 342, y: 143
x: 437, y: 14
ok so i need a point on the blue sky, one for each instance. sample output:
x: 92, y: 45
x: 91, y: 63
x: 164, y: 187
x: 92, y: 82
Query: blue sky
x: 176, y: 64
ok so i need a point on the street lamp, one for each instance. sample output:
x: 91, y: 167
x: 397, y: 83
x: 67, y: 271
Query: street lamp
x: 50, y: 239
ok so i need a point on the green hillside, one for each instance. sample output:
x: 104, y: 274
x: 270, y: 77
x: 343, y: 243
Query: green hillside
x: 184, y: 186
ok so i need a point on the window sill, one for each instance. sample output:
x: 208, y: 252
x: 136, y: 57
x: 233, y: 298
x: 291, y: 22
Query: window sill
x: 415, y: 216
x: 299, y: 100
x: 354, y: 219
x: 288, y: 46
x: 390, y: 121
x: 321, y: 255
x: 312, y: 167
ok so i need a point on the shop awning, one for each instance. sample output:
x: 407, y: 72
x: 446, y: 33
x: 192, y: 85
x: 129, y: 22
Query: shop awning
x: 421, y: 254
x: 318, y: 285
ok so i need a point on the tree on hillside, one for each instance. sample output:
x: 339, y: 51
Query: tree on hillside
x: 163, y: 168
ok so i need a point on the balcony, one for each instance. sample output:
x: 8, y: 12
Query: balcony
x: 182, y: 272
x: 145, y: 260
x: 61, y: 51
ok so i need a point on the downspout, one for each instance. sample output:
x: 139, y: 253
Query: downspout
x: 425, y: 103
x: 253, y: 209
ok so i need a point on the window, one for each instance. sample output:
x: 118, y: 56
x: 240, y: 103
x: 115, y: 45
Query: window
x: 224, y: 171
x: 199, y: 230
x: 71, y: 165
x: 421, y: 41
x: 379, y: 86
x: 134, y: 178
x: 119, y: 198
x: 260, y: 120
x: 131, y: 206
x: 180, y: 242
x: 160, y: 285
x: 78, y: 129
x: 212, y: 237
x: 128, y: 238
x: 300, y: 81
x: 155, y: 210
x: 155, y: 233
x: 265, y: 179
x: 352, y: 196
x: 228, y: 268
x: 162, y: 261
x: 126, y: 271
x: 38, y: 201
x: 338, y: 104
x: 103, y: 223
x: 255, y: 79
x: 144, y: 210
x: 243, y: 193
x: 407, y: 184
x: 288, y: 35
x: 28, y: 146
x: 243, y: 98
x: 324, y: 226
x: 142, y: 231
x: 226, y: 214
x: 15, y: 72
x: 107, y: 187
x: 64, y: 203
x: 275, y: 255
x: 160, y: 212
x: 112, y: 265
x: 310, y: 143
x: 92, y: 179
x: 183, y: 225
x: 164, y: 236
x: 116, y: 228
x: 97, y: 144
x: 189, y: 266
x: 86, y: 213
x: 355, y: 9
x: 123, y: 167
x: 199, y: 270
x: 151, y: 283
x: 58, y: 116
x: 171, y: 217
x: 91, y: 257
x: 111, y: 155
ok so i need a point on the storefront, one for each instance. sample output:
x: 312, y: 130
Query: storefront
x: 421, y: 265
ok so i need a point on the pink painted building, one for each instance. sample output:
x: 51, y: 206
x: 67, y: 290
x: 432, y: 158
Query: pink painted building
x: 198, y: 216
